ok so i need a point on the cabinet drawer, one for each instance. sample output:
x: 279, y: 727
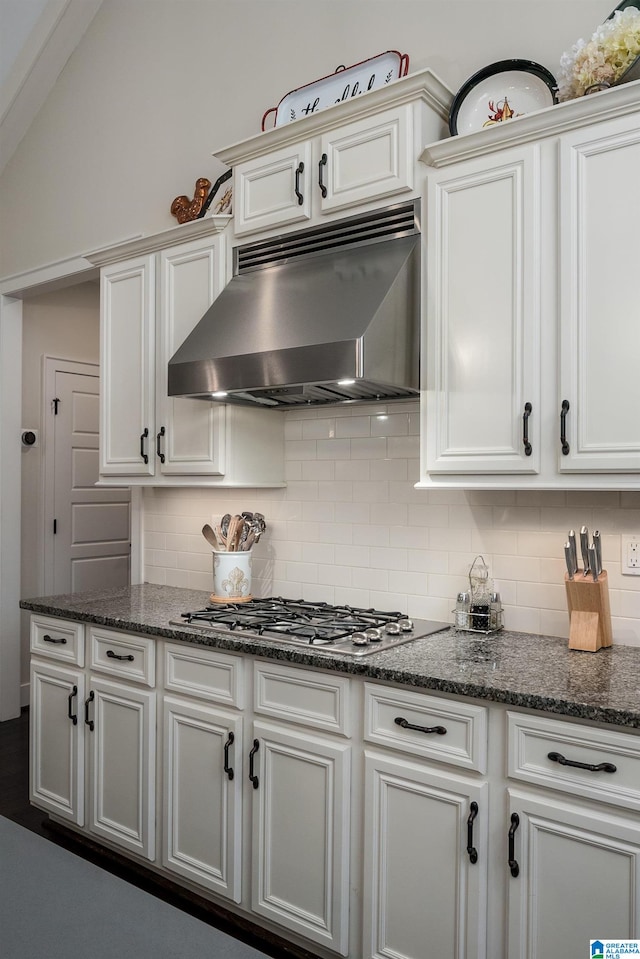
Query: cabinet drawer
x: 303, y: 696
x: 58, y: 639
x: 123, y: 655
x: 463, y: 742
x: 208, y: 674
x: 615, y: 756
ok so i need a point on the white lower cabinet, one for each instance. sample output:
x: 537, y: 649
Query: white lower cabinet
x: 573, y: 843
x: 575, y: 876
x: 300, y: 835
x: 358, y: 818
x: 121, y: 725
x: 425, y: 861
x: 203, y: 795
x: 425, y: 826
x: 92, y: 739
x: 57, y: 741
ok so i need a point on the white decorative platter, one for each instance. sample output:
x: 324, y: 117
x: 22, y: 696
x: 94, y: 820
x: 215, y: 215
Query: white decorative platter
x: 345, y: 84
x: 500, y: 92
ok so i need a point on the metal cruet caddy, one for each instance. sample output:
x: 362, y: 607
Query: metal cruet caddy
x: 479, y: 609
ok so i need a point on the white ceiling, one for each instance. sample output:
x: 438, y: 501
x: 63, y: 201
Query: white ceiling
x: 37, y: 37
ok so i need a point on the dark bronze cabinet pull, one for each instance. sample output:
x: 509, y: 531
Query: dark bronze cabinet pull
x: 528, y: 448
x: 513, y: 865
x: 592, y: 767
x: 54, y: 639
x: 254, y: 779
x: 471, y: 849
x: 563, y: 427
x: 143, y: 437
x: 159, y: 452
x: 72, y: 716
x: 321, y: 165
x: 89, y: 722
x: 112, y: 655
x: 227, y: 767
x: 400, y: 721
x: 299, y: 172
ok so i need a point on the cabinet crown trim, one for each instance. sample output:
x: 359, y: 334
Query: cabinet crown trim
x: 139, y: 246
x: 552, y: 121
x: 423, y: 85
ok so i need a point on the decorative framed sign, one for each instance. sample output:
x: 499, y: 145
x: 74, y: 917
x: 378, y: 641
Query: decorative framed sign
x: 345, y: 84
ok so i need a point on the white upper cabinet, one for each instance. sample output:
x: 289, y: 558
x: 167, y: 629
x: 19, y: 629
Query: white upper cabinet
x: 599, y: 296
x: 354, y: 154
x: 153, y: 293
x: 482, y: 352
x: 530, y: 305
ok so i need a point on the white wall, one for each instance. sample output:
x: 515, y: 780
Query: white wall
x: 351, y: 528
x: 155, y: 86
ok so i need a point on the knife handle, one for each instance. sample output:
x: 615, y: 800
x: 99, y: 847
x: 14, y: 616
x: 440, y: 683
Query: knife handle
x: 584, y: 548
x: 597, y: 543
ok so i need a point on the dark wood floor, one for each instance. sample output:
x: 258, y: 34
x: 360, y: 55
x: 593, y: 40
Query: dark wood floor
x: 15, y: 805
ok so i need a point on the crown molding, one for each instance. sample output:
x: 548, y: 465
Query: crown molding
x: 552, y: 121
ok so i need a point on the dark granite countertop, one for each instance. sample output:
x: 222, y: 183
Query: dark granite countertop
x: 519, y: 669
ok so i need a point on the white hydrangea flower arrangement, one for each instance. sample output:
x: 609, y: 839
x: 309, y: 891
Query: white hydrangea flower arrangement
x: 603, y: 60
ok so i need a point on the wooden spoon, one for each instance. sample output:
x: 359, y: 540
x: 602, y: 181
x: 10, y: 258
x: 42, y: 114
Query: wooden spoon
x: 210, y: 536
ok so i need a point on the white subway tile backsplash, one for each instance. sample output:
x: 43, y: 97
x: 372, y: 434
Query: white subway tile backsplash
x: 368, y: 447
x: 371, y: 578
x: 318, y: 470
x: 348, y: 470
x: 350, y: 527
x: 352, y: 512
x: 388, y: 469
x: 324, y: 429
x: 390, y: 424
x: 350, y: 426
x: 334, y: 449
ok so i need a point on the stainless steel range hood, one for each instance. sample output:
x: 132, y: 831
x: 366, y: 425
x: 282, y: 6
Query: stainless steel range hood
x: 322, y: 316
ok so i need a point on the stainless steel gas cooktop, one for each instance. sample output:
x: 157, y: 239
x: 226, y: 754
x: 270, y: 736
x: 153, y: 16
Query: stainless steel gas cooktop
x: 334, y: 629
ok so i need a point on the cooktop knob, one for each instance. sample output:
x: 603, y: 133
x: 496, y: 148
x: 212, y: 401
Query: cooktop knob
x: 393, y: 629
x: 359, y: 639
x: 406, y: 625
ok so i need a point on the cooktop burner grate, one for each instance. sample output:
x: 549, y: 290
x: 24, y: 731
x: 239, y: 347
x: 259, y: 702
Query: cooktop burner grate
x: 345, y: 629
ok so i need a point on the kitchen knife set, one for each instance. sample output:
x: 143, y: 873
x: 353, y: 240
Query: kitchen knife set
x: 591, y: 554
x: 587, y: 592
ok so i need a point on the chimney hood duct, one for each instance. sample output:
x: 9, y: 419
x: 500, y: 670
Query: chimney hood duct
x: 322, y: 316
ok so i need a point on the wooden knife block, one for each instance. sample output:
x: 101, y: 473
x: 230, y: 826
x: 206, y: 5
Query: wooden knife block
x: 589, y: 611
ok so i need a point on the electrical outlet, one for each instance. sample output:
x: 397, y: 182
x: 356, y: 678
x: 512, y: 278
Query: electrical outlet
x: 630, y: 555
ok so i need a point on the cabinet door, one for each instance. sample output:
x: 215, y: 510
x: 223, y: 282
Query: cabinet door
x: 300, y: 850
x: 367, y: 160
x: 202, y: 795
x: 56, y: 742
x: 122, y: 750
x: 274, y: 190
x: 189, y: 433
x: 598, y: 271
x: 423, y: 895
x: 127, y: 344
x: 482, y: 340
x: 578, y: 878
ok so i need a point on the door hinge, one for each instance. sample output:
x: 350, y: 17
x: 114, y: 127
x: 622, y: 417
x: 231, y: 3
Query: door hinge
x: 55, y: 403
x: 55, y: 526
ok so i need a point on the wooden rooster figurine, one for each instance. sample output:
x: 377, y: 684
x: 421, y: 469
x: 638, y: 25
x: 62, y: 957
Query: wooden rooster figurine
x: 185, y: 209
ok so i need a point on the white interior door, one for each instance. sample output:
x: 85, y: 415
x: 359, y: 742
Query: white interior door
x: 87, y: 527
